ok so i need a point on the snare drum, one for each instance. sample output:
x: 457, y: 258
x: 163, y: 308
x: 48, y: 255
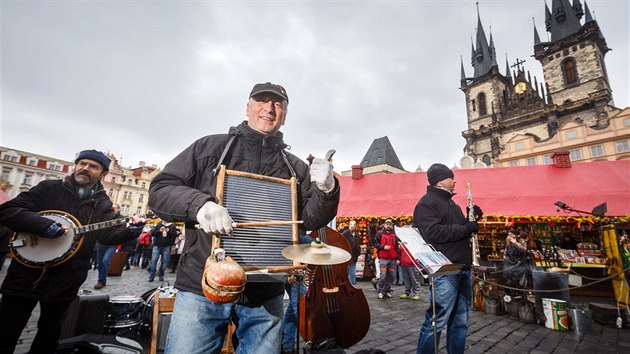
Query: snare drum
x: 124, y: 316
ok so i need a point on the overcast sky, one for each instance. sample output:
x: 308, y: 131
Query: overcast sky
x: 144, y: 79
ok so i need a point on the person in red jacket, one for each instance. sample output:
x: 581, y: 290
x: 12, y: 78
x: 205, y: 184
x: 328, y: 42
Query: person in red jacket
x: 410, y: 274
x: 387, y: 244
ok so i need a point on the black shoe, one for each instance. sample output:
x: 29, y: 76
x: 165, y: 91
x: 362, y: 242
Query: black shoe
x: 161, y: 278
x: 150, y: 280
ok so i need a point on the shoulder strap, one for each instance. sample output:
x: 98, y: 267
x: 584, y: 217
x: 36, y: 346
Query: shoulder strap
x: 223, y: 154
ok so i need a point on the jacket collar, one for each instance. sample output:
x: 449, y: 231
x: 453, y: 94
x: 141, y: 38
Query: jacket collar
x: 440, y: 192
x: 250, y: 135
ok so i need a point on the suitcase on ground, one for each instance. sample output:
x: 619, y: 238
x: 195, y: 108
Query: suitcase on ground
x: 86, y: 315
x: 117, y: 263
x: 98, y: 344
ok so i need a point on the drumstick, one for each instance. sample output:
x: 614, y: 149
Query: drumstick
x: 279, y: 269
x: 265, y: 223
x: 261, y: 223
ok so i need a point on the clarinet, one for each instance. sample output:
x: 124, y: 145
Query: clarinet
x: 474, y: 241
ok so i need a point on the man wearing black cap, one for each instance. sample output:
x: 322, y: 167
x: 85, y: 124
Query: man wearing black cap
x: 81, y: 195
x: 185, y: 191
x: 444, y: 226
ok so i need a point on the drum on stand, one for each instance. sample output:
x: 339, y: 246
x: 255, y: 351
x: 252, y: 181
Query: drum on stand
x: 124, y: 316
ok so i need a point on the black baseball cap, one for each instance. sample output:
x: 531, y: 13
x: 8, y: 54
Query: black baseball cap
x: 268, y: 87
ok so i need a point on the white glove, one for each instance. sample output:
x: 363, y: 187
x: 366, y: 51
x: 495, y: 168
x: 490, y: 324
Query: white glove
x: 214, y: 219
x: 322, y: 175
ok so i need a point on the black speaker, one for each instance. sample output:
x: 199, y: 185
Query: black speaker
x: 86, y: 315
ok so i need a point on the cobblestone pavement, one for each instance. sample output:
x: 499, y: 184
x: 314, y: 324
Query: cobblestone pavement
x: 395, y: 324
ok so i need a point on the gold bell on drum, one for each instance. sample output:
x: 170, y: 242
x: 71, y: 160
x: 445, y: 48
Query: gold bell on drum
x: 223, y: 279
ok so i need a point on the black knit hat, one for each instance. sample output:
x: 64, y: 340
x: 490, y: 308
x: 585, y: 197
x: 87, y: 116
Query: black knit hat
x: 438, y: 172
x: 94, y: 155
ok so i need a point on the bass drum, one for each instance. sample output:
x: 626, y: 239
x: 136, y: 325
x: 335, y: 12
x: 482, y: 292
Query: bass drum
x: 147, y: 311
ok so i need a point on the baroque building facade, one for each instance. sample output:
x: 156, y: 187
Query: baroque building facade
x: 514, y: 120
x: 125, y: 186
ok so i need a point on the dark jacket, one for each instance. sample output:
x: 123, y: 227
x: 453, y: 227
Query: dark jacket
x: 387, y: 238
x: 188, y: 182
x: 62, y: 281
x: 443, y: 225
x: 162, y: 241
x: 355, y: 243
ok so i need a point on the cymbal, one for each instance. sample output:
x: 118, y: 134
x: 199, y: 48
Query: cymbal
x: 326, y: 255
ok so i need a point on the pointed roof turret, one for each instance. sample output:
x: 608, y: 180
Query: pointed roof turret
x: 493, y: 52
x: 507, y: 67
x: 381, y: 152
x: 463, y: 72
x: 547, y: 18
x: 589, y: 17
x: 483, y: 56
x: 536, y: 37
x: 564, y: 21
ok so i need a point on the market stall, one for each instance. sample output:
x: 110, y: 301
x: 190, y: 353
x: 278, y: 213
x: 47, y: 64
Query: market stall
x: 521, y: 197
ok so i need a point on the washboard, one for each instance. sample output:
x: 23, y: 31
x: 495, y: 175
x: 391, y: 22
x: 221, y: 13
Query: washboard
x: 250, y: 197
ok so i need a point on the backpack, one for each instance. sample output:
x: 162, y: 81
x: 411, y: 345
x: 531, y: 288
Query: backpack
x: 145, y: 238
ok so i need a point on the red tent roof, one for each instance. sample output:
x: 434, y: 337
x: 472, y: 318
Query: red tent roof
x: 507, y: 191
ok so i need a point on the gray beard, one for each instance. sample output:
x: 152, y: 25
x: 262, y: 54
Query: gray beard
x: 83, y: 181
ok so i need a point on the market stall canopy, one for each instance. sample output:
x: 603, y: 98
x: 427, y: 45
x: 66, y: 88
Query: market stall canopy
x: 506, y: 191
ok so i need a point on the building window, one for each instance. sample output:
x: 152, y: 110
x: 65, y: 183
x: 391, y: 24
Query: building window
x: 570, y: 134
x: 482, y: 104
x: 32, y: 162
x: 113, y: 179
x: 626, y: 122
x: 519, y: 145
x: 10, y: 158
x: 597, y: 150
x: 129, y: 182
x: 144, y: 185
x: 110, y: 193
x: 622, y: 145
x: 569, y: 70
x: 28, y: 179
x: 124, y: 209
x: 575, y: 154
x: 127, y: 195
x: 6, y: 172
x: 531, y: 161
x: 473, y: 103
x: 141, y: 198
x: 513, y: 163
x: 547, y: 159
x: 138, y: 210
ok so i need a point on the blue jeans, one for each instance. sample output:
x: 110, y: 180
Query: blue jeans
x: 163, y: 252
x: 453, y: 300
x: 352, y: 272
x: 103, y: 257
x: 290, y: 321
x: 199, y: 325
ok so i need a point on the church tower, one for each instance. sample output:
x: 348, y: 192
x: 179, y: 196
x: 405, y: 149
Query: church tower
x: 512, y: 117
x: 573, y: 61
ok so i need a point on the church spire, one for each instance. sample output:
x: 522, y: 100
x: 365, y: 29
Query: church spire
x: 589, y: 17
x: 507, y: 67
x: 564, y: 19
x: 483, y: 58
x: 536, y: 37
x: 463, y: 73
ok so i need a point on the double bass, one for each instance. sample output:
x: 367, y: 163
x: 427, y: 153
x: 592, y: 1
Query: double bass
x: 332, y: 307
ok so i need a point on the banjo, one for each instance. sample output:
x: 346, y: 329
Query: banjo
x: 39, y: 252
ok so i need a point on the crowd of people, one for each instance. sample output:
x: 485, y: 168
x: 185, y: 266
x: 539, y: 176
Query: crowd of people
x: 183, y: 197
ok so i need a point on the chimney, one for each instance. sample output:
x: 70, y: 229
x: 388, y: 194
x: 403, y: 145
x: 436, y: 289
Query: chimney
x: 357, y: 172
x: 561, y: 159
